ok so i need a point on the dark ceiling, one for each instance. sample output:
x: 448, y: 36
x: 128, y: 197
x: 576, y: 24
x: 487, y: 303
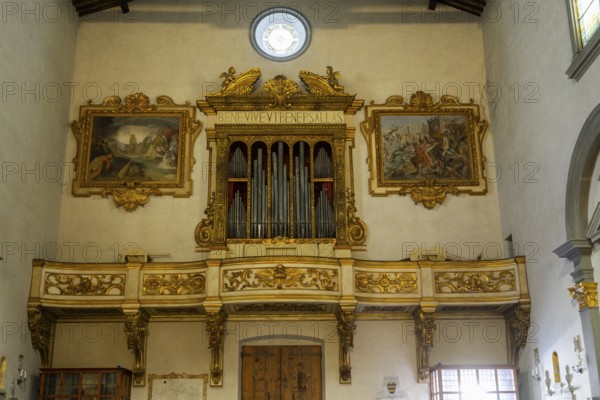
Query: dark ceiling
x: 87, y: 7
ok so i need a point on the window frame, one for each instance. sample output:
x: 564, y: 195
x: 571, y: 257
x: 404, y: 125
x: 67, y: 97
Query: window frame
x: 583, y: 55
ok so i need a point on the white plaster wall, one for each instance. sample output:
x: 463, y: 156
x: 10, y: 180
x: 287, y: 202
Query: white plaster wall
x: 381, y: 50
x: 381, y: 348
x: 534, y: 133
x: 37, y: 46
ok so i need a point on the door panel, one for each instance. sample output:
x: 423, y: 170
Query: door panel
x: 281, y: 373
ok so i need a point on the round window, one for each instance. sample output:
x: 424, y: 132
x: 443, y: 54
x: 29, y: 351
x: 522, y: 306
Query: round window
x: 280, y: 34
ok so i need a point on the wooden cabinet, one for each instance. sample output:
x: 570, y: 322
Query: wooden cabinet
x: 85, y: 384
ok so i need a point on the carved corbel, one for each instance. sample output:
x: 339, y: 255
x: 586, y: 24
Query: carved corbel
x: 215, y: 328
x: 41, y: 325
x: 425, y: 332
x: 518, y: 322
x: 136, y: 329
x: 346, y: 326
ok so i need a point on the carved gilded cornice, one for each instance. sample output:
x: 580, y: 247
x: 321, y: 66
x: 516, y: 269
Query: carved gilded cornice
x: 280, y: 277
x: 84, y: 284
x: 346, y: 325
x: 586, y: 294
x: 136, y: 328
x: 174, y: 284
x: 41, y: 326
x: 386, y: 282
x: 215, y: 328
x: 475, y: 282
x: 280, y: 307
x: 322, y: 92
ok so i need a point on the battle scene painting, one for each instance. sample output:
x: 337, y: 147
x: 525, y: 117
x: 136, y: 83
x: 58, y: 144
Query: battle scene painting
x: 424, y: 147
x: 134, y: 148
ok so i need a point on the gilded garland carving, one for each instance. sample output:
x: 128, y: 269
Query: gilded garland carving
x: 174, y: 284
x: 136, y: 328
x: 215, y: 328
x: 204, y: 230
x: 41, y: 327
x: 85, y: 284
x: 357, y: 230
x: 346, y: 326
x: 586, y: 294
x: 386, y: 282
x: 131, y: 197
x: 475, y: 282
x: 425, y: 332
x: 280, y: 277
x: 519, y: 321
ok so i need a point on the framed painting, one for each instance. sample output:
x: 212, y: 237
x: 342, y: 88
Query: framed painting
x: 424, y: 149
x: 133, y: 149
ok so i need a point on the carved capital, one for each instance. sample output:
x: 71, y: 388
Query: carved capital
x: 518, y: 322
x: 136, y: 328
x: 586, y: 294
x: 425, y: 332
x: 346, y: 326
x: 215, y: 328
x: 41, y: 325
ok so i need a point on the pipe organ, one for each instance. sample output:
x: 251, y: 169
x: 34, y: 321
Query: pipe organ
x: 283, y: 164
x: 289, y: 192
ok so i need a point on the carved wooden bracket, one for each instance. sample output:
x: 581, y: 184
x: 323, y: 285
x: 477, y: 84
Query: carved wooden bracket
x: 425, y: 332
x: 215, y: 327
x: 346, y: 327
x: 136, y: 329
x: 518, y: 322
x: 41, y: 325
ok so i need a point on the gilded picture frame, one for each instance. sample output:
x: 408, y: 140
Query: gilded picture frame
x: 133, y: 149
x: 424, y: 149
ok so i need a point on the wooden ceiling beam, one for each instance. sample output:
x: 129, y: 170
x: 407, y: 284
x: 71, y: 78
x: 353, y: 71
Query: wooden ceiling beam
x: 87, y: 7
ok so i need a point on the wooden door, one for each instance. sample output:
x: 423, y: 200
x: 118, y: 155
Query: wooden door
x: 281, y: 373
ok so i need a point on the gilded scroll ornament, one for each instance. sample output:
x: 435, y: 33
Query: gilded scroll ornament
x: 475, y: 282
x: 41, y: 327
x: 204, y: 230
x: 518, y: 323
x: 85, y: 284
x: 280, y: 277
x: 174, y: 284
x: 318, y: 85
x: 346, y: 325
x: 386, y: 282
x: 215, y: 328
x: 131, y: 196
x: 425, y: 332
x: 357, y: 230
x: 240, y: 85
x: 586, y: 294
x: 136, y: 328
